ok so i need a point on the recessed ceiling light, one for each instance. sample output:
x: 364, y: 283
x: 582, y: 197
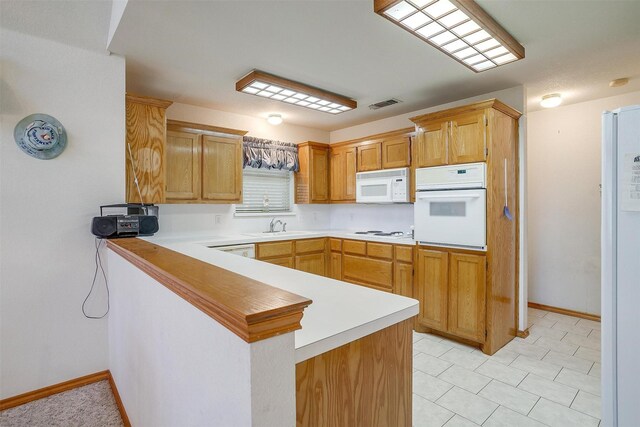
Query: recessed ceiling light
x: 618, y: 82
x: 274, y: 119
x: 277, y: 88
x: 453, y: 25
x: 552, y: 100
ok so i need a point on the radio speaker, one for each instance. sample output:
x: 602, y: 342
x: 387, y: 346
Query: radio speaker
x: 104, y: 226
x: 148, y: 225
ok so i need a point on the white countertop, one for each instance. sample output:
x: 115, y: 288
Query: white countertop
x: 340, y: 313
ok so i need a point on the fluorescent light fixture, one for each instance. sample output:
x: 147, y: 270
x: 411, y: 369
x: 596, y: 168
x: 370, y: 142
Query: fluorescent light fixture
x: 277, y: 88
x: 552, y: 100
x: 459, y: 28
x: 274, y: 119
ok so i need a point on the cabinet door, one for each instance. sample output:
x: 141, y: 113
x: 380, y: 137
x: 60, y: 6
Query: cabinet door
x: 396, y: 153
x: 350, y: 175
x: 337, y: 175
x: 368, y: 271
x: 312, y: 263
x: 468, y: 139
x: 370, y: 157
x: 221, y: 169
x: 284, y: 261
x: 336, y: 265
x: 430, y: 145
x: 403, y: 280
x: 319, y: 175
x: 467, y: 296
x: 183, y: 165
x: 431, y: 288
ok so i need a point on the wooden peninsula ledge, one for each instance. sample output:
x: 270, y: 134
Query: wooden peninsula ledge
x: 252, y: 310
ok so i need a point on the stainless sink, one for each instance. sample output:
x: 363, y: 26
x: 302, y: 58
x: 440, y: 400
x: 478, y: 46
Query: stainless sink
x: 278, y: 234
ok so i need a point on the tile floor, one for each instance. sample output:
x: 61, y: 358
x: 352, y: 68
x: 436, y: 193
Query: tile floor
x: 551, y: 378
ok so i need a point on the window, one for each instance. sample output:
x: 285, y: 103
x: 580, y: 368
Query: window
x: 265, y: 190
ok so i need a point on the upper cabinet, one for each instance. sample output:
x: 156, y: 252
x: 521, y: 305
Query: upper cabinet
x: 396, y: 152
x: 203, y: 163
x: 145, y: 149
x: 312, y: 179
x: 430, y: 144
x: 370, y: 157
x: 342, y: 171
x: 468, y: 141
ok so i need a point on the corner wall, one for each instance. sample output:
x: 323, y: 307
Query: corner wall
x: 564, y: 201
x: 46, y: 249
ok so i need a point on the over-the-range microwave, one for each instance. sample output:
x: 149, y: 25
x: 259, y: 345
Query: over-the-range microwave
x: 384, y: 186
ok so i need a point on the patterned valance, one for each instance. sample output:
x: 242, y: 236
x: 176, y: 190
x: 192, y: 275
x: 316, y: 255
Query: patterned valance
x: 268, y: 154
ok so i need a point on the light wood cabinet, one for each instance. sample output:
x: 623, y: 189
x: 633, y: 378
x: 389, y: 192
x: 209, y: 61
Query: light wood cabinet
x: 430, y: 144
x: 308, y: 255
x: 468, y: 138
x: 203, y: 164
x: 145, y: 148
x: 312, y: 263
x: 403, y: 279
x: 336, y: 265
x: 274, y: 249
x: 396, y: 152
x: 370, y: 157
x: 343, y: 174
x: 432, y: 283
x: 375, y: 273
x: 284, y: 261
x: 183, y: 165
x: 312, y: 179
x: 467, y: 296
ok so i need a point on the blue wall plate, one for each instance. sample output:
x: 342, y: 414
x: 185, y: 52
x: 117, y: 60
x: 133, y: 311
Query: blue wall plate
x: 40, y: 136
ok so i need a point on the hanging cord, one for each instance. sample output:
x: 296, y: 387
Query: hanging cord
x: 98, y: 261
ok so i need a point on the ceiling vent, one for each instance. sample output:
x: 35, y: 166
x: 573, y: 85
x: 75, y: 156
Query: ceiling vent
x: 383, y: 104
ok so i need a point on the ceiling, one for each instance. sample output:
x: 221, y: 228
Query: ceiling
x: 194, y: 51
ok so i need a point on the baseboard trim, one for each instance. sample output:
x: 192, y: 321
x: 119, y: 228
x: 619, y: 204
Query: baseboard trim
x: 41, y: 393
x: 522, y: 334
x: 566, y: 311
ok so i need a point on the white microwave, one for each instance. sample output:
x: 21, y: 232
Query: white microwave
x: 384, y: 186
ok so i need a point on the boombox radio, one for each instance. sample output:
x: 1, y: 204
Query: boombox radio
x: 133, y: 220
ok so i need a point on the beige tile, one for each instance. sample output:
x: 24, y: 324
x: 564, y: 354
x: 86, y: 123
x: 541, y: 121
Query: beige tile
x: 580, y: 381
x: 500, y: 372
x: 595, y: 334
x: 588, y: 354
x: 566, y: 361
x: 534, y: 312
x: 587, y: 403
x: 467, y: 360
x: 590, y: 323
x: 548, y: 389
x: 434, y: 348
x: 504, y: 417
x: 464, y: 378
x: 542, y: 321
x: 458, y: 345
x: 574, y: 329
x: 429, y: 387
x: 596, y: 370
x: 468, y: 405
x: 417, y: 337
x: 429, y: 364
x: 458, y: 421
x: 511, y: 397
x: 537, y: 330
x: 535, y: 366
x: 531, y: 339
x: 556, y: 415
x: 562, y: 318
x: 428, y: 414
x: 556, y: 345
x: 530, y: 350
x: 579, y: 340
x: 504, y: 356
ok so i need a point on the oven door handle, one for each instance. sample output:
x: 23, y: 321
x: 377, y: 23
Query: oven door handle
x: 452, y: 198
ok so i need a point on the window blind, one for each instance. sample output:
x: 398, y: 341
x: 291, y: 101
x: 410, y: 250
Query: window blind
x: 265, y: 190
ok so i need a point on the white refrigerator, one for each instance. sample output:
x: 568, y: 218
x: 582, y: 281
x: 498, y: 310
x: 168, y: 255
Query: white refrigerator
x: 621, y: 267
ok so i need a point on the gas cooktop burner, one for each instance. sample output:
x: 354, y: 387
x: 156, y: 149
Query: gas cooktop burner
x: 380, y: 233
x: 368, y: 232
x: 392, y: 234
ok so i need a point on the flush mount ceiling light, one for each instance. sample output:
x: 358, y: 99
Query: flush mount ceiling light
x: 273, y: 87
x: 459, y: 28
x: 552, y: 100
x: 619, y: 82
x: 274, y: 119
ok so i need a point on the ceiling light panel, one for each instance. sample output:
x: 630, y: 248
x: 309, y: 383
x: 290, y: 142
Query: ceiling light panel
x: 459, y: 28
x: 277, y: 88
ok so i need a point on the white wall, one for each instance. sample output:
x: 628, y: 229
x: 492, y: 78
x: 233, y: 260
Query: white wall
x: 564, y: 203
x: 46, y: 256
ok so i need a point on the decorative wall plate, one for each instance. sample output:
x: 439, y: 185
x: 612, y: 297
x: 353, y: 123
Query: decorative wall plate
x: 40, y: 136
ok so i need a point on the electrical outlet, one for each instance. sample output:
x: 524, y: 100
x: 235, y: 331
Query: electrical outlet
x: 218, y: 219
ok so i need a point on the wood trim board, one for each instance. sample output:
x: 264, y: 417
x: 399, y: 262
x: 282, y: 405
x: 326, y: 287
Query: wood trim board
x: 565, y: 311
x: 201, y: 128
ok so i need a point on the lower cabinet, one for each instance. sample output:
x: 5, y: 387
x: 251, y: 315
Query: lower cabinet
x: 451, y: 288
x: 305, y: 255
x: 335, y: 271
x: 285, y: 261
x: 312, y: 263
x: 366, y: 271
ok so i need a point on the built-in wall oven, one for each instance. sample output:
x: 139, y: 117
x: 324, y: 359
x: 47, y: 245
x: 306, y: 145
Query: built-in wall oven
x: 451, y: 205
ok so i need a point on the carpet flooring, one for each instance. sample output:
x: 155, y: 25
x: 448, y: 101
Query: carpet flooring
x: 88, y: 406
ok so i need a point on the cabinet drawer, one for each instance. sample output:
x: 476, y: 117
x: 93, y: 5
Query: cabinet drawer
x: 380, y: 250
x: 404, y: 253
x: 369, y: 271
x: 312, y: 245
x: 354, y: 247
x: 274, y: 249
x: 284, y: 262
x: 336, y: 245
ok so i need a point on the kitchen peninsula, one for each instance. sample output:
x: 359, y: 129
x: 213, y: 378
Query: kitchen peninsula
x: 188, y: 317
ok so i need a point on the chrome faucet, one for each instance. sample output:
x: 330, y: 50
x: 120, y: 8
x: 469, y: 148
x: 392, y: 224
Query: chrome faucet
x: 273, y: 223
